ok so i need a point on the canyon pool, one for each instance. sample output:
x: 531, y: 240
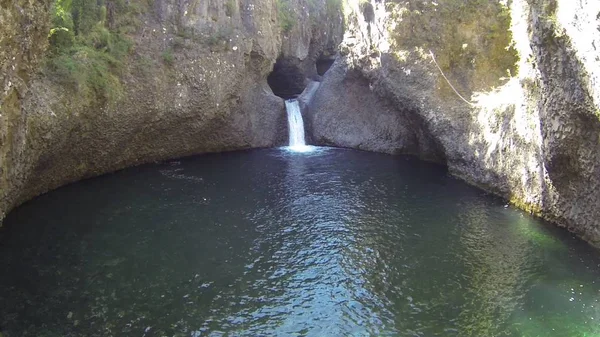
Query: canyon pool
x: 270, y: 242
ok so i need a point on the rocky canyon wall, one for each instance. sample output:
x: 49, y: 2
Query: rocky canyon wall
x: 505, y: 94
x: 194, y: 80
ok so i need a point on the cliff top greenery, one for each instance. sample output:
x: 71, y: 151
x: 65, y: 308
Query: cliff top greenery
x: 88, y: 42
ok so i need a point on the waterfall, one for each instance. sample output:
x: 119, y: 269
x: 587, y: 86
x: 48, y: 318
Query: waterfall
x: 295, y: 125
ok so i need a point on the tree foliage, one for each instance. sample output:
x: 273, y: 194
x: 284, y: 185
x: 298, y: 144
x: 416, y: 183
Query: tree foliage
x: 287, y: 17
x: 87, y: 43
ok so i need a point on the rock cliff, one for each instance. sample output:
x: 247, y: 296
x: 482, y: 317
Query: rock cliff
x: 505, y: 95
x: 193, y: 80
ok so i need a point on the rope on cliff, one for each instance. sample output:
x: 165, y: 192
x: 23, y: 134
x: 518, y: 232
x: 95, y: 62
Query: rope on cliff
x: 448, y: 81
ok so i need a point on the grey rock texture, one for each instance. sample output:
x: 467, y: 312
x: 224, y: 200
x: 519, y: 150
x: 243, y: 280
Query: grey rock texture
x: 212, y: 96
x: 569, y: 107
x: 346, y: 112
x: 528, y: 126
x: 23, y: 39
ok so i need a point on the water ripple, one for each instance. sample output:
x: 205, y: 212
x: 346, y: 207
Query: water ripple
x: 328, y: 242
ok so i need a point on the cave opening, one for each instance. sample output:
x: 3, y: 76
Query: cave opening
x: 323, y: 64
x: 287, y: 80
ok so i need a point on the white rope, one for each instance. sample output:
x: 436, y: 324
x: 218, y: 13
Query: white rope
x: 446, y: 78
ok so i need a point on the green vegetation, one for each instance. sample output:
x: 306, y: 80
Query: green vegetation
x: 219, y: 36
x: 471, y: 39
x: 168, y: 57
x: 88, y: 44
x: 178, y: 42
x: 230, y: 6
x: 144, y: 65
x: 88, y: 71
x: 286, y: 15
x: 549, y: 15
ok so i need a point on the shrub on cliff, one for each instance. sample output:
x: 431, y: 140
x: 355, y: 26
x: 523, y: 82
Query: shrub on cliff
x: 287, y: 17
x: 87, y: 44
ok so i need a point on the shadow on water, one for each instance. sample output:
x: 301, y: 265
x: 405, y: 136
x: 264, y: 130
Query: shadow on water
x: 271, y: 242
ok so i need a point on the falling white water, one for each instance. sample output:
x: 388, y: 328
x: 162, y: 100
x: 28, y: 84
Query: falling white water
x: 296, y: 126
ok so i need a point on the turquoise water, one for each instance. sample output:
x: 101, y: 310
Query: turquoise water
x: 274, y: 243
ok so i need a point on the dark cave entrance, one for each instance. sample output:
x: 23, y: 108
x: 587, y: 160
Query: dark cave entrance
x: 323, y: 64
x: 287, y: 80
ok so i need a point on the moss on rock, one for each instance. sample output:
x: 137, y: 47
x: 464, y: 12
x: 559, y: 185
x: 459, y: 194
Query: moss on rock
x: 470, y: 39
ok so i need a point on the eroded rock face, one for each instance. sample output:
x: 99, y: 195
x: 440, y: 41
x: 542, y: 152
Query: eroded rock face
x: 518, y: 116
x: 195, y: 82
x: 347, y: 112
x: 564, y: 40
x: 23, y: 39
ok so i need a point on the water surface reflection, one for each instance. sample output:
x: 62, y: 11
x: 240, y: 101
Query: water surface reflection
x: 271, y: 242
